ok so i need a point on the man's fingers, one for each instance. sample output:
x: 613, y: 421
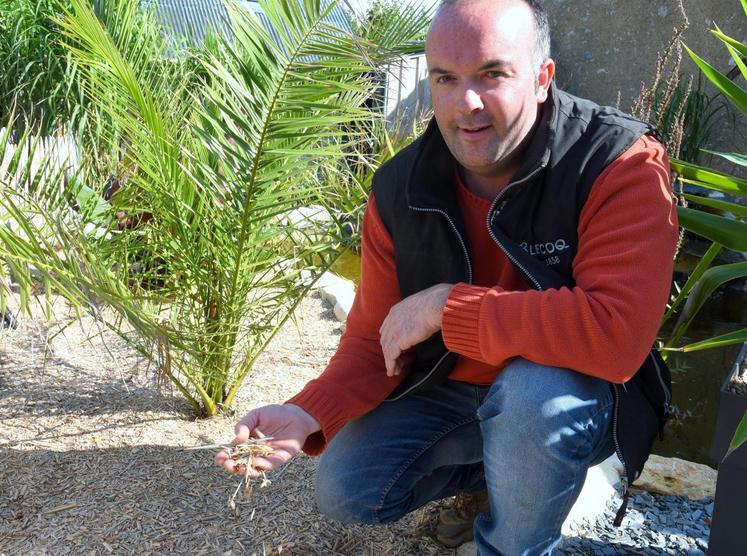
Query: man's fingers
x: 221, y: 457
x: 229, y: 465
x: 391, y: 367
x: 397, y: 370
x: 267, y: 463
x: 391, y: 351
x: 244, y: 427
x: 389, y: 364
x: 259, y: 465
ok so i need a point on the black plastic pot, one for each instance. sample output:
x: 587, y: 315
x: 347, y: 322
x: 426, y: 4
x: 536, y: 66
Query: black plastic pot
x: 731, y: 408
x: 730, y: 505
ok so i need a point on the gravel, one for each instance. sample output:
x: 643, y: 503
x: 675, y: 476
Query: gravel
x: 654, y: 524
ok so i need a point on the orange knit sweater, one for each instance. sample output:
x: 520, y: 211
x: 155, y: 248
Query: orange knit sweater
x: 603, y: 327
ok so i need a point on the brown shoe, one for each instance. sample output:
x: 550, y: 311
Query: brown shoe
x: 455, y: 523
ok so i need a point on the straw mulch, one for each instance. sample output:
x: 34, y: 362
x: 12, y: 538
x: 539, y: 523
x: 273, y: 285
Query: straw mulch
x: 92, y: 458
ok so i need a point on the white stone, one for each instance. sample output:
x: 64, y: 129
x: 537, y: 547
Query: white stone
x: 467, y: 549
x: 598, y: 489
x: 339, y: 292
x: 677, y: 477
x: 306, y: 217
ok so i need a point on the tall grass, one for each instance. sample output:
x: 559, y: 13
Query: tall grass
x: 39, y: 82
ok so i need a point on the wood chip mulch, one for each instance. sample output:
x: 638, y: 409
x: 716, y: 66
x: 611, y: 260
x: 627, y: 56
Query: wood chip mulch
x: 93, y: 458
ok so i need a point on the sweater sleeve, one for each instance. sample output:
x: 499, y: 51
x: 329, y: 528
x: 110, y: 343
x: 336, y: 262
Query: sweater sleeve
x: 607, y: 323
x: 355, y: 381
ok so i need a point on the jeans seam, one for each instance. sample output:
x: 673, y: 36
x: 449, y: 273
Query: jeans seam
x: 598, y: 411
x: 562, y: 516
x: 602, y: 409
x: 396, y: 476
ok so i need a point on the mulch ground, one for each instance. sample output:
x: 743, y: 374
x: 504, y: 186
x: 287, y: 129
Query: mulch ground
x: 93, y: 459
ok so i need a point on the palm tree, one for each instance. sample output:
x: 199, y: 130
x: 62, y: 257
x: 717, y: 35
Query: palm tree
x: 205, y: 258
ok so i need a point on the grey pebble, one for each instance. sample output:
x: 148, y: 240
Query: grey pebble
x: 654, y: 525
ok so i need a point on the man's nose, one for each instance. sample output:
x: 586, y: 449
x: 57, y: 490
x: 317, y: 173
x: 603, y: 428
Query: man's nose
x: 471, y: 100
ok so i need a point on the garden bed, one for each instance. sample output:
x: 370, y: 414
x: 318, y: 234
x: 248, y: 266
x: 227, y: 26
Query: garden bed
x: 92, y: 458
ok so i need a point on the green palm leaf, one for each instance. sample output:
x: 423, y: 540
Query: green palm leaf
x: 734, y: 93
x: 711, y: 179
x: 729, y: 233
x: 740, y: 436
x: 736, y: 337
x: 725, y: 206
x: 735, y: 158
x: 215, y: 155
x: 702, y: 291
x: 702, y: 266
x: 735, y: 48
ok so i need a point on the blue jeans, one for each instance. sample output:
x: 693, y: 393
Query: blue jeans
x: 530, y: 438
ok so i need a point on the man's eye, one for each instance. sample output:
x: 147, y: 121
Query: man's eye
x: 444, y: 79
x: 493, y: 74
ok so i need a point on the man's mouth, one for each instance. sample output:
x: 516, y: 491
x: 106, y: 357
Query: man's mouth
x: 474, y: 129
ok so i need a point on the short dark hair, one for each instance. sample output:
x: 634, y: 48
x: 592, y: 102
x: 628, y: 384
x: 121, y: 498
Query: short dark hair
x: 541, y: 26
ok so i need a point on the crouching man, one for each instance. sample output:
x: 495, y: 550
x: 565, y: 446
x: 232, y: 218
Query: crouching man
x: 516, y: 263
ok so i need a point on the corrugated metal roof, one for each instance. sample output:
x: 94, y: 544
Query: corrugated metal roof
x: 191, y: 19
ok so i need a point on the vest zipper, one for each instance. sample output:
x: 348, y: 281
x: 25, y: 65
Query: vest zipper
x: 419, y: 382
x: 469, y: 281
x: 456, y: 232
x: 625, y: 487
x: 624, y: 481
x: 491, y: 213
x: 513, y: 260
x: 661, y: 381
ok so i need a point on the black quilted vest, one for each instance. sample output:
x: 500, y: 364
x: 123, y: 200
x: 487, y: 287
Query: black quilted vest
x: 534, y: 221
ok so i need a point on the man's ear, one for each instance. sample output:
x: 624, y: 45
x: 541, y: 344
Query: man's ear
x: 544, y: 79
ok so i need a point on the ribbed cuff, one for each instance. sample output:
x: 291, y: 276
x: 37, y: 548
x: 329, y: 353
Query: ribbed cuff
x: 459, y: 324
x: 321, y: 407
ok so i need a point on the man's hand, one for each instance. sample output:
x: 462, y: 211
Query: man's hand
x: 409, y: 322
x: 288, y: 425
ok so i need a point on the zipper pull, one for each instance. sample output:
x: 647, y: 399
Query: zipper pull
x: 624, y: 506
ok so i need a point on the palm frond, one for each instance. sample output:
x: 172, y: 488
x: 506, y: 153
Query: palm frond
x: 215, y: 157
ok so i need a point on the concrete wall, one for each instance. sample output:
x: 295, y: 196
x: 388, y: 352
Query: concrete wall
x: 608, y: 47
x: 603, y: 47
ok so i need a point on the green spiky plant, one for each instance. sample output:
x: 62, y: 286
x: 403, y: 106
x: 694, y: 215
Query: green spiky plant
x: 387, y: 21
x: 40, y: 84
x: 203, y: 262
x: 720, y: 221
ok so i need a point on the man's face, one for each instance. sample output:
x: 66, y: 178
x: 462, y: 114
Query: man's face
x: 484, y: 87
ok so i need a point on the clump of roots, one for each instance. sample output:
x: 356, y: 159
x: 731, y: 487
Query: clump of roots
x: 244, y: 455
